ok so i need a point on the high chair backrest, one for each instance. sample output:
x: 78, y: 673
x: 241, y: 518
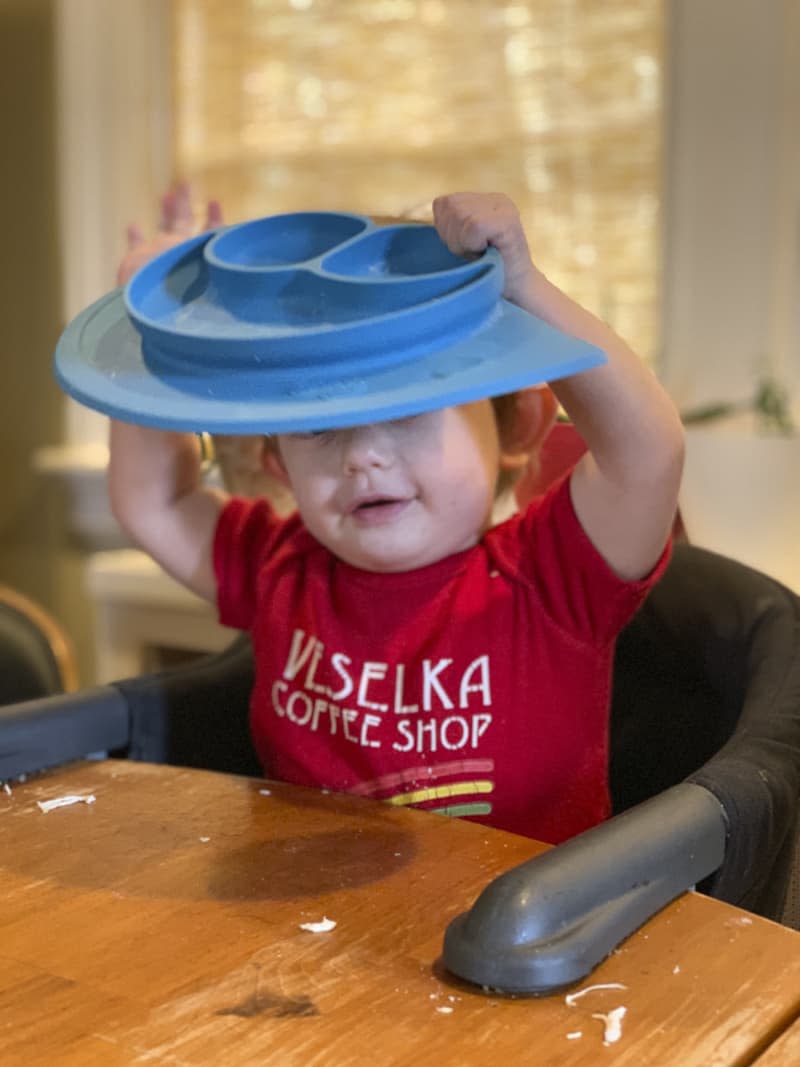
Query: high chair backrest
x: 707, y: 688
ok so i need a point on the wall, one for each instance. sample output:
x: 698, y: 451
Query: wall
x: 33, y: 557
x: 732, y: 231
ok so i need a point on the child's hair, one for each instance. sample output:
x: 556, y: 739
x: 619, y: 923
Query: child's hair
x: 504, y: 407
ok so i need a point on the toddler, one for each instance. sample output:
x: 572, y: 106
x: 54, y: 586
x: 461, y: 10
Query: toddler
x: 405, y: 648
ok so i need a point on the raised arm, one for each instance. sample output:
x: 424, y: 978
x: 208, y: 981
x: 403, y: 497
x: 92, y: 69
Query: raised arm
x: 158, y: 497
x: 625, y: 488
x: 154, y: 477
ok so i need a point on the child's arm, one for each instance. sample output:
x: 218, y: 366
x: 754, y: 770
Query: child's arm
x: 154, y: 477
x: 158, y: 497
x: 625, y: 488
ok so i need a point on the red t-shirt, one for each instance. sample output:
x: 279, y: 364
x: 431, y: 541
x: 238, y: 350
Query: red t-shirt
x: 477, y: 686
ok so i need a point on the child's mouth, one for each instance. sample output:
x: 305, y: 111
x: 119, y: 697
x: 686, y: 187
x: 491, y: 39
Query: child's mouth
x: 379, y: 511
x: 377, y: 503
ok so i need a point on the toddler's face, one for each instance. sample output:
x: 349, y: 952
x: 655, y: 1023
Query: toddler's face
x: 398, y: 495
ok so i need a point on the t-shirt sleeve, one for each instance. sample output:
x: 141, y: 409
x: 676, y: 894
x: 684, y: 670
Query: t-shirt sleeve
x: 550, y: 550
x: 246, y: 534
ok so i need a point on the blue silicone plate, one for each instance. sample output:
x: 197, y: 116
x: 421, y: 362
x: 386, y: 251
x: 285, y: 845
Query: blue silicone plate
x: 307, y: 321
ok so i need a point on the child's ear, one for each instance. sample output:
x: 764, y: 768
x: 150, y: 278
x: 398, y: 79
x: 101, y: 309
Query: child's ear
x: 273, y: 464
x: 535, y: 411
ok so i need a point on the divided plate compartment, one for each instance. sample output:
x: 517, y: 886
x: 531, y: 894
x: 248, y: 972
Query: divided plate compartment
x: 311, y: 294
x: 304, y: 321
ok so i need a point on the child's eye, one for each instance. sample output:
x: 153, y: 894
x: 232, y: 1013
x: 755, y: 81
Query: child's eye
x: 314, y: 435
x: 410, y: 422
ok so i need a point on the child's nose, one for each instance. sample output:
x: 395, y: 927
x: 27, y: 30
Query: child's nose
x: 368, y: 447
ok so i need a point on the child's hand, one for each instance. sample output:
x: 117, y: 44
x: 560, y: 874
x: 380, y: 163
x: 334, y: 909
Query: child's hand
x: 470, y: 222
x: 175, y: 225
x: 625, y: 489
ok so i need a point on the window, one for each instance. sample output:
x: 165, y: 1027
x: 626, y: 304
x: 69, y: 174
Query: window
x: 561, y: 102
x: 379, y: 105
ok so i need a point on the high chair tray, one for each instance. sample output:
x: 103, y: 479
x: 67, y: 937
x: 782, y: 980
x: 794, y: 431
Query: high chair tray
x: 307, y: 321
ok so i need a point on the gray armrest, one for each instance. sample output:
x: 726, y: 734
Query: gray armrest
x: 36, y: 734
x: 550, y: 921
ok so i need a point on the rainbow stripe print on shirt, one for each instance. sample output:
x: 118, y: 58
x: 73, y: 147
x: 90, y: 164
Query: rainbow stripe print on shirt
x: 467, y: 793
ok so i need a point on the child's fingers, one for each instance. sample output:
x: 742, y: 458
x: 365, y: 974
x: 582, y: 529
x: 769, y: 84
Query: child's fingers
x: 176, y: 210
x: 183, y: 216
x: 468, y: 223
x: 176, y: 223
x: 133, y: 236
x: 167, y: 206
x: 135, y: 241
x: 213, y: 215
x: 461, y: 224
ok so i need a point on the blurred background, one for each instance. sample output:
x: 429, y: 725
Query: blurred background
x: 653, y: 147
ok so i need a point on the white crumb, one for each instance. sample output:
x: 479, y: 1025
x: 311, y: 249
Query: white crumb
x: 613, y: 1024
x: 205, y: 840
x: 570, y: 998
x: 573, y: 1035
x: 445, y: 1009
x: 322, y: 927
x: 65, y: 802
x: 265, y: 792
x: 676, y: 969
x: 7, y: 789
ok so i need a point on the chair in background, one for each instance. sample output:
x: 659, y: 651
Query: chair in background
x: 36, y: 655
x: 705, y: 737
